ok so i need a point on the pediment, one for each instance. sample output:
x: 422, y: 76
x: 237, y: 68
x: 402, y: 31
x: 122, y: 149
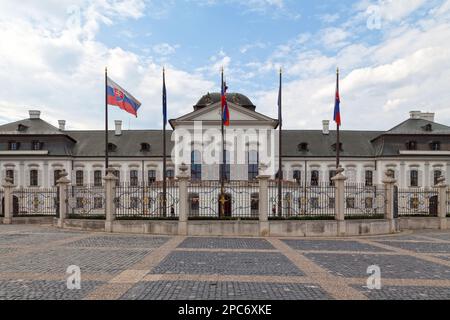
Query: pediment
x: 238, y: 114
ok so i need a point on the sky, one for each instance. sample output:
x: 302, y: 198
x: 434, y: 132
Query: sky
x: 394, y: 57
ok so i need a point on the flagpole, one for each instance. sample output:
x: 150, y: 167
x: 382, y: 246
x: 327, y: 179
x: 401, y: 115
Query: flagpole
x: 222, y: 173
x: 164, y: 147
x: 280, y: 165
x: 338, y: 145
x: 106, y: 120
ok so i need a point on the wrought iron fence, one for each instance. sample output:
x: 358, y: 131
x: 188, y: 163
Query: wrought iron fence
x: 417, y: 202
x: 363, y: 201
x: 300, y: 201
x: 146, y: 201
x: 240, y: 201
x: 2, y: 203
x: 36, y: 202
x: 448, y: 203
x: 86, y: 201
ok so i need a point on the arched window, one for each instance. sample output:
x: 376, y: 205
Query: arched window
x: 315, y: 178
x: 437, y: 175
x: 196, y: 165
x: 252, y: 160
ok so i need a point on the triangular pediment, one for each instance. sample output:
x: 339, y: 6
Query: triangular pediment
x: 238, y: 115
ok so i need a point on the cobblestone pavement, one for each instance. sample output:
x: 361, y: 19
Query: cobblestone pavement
x: 34, y: 260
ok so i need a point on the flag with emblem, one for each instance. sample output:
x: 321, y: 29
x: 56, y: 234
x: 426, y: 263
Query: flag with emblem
x: 119, y: 97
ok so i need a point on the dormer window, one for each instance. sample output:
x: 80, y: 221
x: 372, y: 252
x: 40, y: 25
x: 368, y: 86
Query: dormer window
x: 411, y: 145
x: 435, y: 146
x: 22, y: 128
x: 13, y: 145
x: 428, y: 127
x: 303, y: 147
x: 145, y: 147
x: 37, y: 145
x: 340, y: 147
x: 112, y: 147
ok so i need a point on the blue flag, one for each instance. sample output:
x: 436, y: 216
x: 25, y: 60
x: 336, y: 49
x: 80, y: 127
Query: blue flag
x: 164, y: 98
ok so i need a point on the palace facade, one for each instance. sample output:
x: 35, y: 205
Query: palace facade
x: 33, y: 152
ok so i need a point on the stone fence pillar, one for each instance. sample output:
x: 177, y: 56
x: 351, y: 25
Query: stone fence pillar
x: 442, y: 201
x: 339, y: 208
x: 110, y: 194
x: 63, y: 187
x: 8, y: 188
x: 263, y: 205
x: 183, y: 180
x: 389, y: 181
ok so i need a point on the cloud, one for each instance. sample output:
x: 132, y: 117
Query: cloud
x: 58, y: 67
x: 165, y: 49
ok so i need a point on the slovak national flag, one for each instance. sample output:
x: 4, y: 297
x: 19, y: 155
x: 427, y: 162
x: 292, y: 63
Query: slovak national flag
x: 119, y: 97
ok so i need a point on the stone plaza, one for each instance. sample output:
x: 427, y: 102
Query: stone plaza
x: 34, y: 260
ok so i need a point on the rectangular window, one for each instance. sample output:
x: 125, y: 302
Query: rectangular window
x: 151, y: 176
x: 36, y: 145
x: 13, y: 145
x: 194, y: 204
x: 117, y: 175
x: 332, y: 175
x: 98, y: 203
x: 79, y: 178
x: 369, y: 178
x: 254, y: 205
x: 315, y: 178
x: 98, y: 178
x: 10, y: 174
x: 253, y: 172
x: 80, y: 203
x: 350, y: 203
x: 297, y: 176
x: 56, y: 176
x: 134, y: 179
x: 437, y: 175
x: 414, y: 175
x: 170, y: 174
x: 134, y: 203
x: 314, y: 203
x: 331, y: 203
x: 34, y: 178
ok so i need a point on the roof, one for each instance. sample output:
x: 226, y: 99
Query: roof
x: 417, y: 126
x: 214, y: 97
x: 33, y: 127
x: 354, y: 143
x: 91, y: 143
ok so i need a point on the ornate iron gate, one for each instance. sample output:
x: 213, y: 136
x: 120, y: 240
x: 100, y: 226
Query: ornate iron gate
x: 301, y: 201
x: 417, y: 202
x: 85, y: 201
x: 35, y: 202
x: 146, y: 201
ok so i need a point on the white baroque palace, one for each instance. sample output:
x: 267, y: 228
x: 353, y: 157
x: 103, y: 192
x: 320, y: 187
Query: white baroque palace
x: 33, y: 151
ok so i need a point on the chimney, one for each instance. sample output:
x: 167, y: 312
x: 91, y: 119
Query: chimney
x: 34, y: 114
x: 415, y: 114
x: 429, y: 116
x: 326, y: 127
x: 118, y: 127
x: 62, y: 125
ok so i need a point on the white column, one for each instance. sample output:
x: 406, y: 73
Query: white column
x: 110, y: 191
x: 426, y: 173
